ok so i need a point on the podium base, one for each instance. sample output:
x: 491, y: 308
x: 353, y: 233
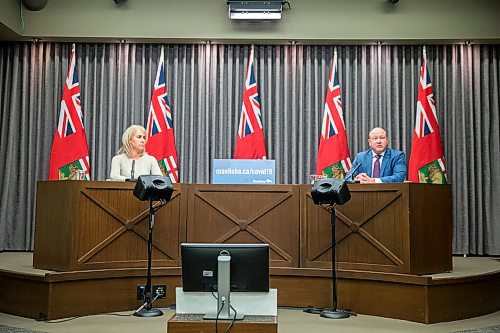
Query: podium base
x: 312, y: 310
x: 334, y: 314
x: 148, y: 313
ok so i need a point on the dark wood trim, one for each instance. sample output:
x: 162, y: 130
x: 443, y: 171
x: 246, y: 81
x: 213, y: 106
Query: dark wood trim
x: 196, y: 324
x: 424, y: 299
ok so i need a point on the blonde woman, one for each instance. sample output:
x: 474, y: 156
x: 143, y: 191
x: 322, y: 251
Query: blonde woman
x: 132, y: 160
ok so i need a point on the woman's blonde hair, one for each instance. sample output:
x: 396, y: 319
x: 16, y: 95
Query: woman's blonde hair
x: 127, y: 136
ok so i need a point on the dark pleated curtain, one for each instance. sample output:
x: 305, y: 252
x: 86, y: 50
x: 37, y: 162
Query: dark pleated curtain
x: 205, y: 86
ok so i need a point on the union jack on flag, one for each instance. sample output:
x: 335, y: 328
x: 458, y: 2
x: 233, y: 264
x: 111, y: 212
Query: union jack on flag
x: 426, y: 109
x: 250, y: 111
x: 333, y: 154
x: 69, y: 149
x: 332, y: 114
x: 159, y: 101
x: 65, y: 124
x: 250, y: 140
x: 426, y: 164
x: 160, y: 129
x: 70, y: 100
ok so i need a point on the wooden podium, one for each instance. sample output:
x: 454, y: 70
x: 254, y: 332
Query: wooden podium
x: 397, y: 228
x: 82, y: 225
x: 388, y: 235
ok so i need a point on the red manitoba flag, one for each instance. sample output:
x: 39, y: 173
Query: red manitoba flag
x: 333, y: 154
x: 250, y: 140
x: 70, y: 152
x: 160, y: 130
x: 426, y: 163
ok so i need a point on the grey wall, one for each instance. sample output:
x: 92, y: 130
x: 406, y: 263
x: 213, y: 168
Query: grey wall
x: 10, y: 16
x: 318, y: 21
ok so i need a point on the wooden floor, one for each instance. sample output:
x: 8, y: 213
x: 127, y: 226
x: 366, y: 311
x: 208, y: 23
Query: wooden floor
x: 470, y: 290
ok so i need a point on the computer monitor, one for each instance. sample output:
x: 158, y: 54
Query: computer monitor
x: 245, y: 265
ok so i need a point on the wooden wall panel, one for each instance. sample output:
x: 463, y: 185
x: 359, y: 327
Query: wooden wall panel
x: 23, y: 295
x: 55, y: 220
x: 400, y: 228
x: 247, y: 214
x: 469, y: 297
x: 384, y: 299
x: 431, y: 228
x: 102, y: 225
x: 93, y: 296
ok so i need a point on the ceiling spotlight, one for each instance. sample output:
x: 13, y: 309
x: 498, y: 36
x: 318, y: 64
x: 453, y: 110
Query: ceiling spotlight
x: 393, y: 1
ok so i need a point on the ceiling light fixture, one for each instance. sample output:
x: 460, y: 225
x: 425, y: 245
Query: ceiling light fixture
x: 256, y: 10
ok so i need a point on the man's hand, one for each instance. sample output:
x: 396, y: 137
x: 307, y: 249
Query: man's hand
x: 363, y: 178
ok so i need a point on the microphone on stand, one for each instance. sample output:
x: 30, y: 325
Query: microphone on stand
x: 132, y: 171
x: 131, y: 179
x: 351, y: 176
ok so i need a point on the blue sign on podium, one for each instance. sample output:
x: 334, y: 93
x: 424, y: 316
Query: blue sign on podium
x: 229, y: 171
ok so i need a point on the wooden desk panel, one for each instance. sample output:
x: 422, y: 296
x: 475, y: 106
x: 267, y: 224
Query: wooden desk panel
x: 92, y: 225
x: 247, y: 214
x: 400, y: 228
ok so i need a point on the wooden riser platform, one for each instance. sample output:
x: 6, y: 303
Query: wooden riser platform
x: 471, y: 290
x: 196, y: 324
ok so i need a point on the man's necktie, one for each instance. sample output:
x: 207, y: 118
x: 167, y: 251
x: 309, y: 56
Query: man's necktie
x: 376, y: 167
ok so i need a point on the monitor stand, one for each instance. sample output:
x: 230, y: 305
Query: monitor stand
x: 230, y: 316
x: 224, y: 311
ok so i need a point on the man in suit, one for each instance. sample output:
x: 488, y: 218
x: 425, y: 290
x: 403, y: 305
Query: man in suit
x: 379, y: 164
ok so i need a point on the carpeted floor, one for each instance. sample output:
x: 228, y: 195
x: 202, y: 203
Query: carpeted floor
x: 10, y: 329
x: 289, y: 321
x: 489, y: 329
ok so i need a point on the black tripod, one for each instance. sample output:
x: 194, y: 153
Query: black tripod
x: 333, y: 313
x: 147, y: 310
x: 327, y: 193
